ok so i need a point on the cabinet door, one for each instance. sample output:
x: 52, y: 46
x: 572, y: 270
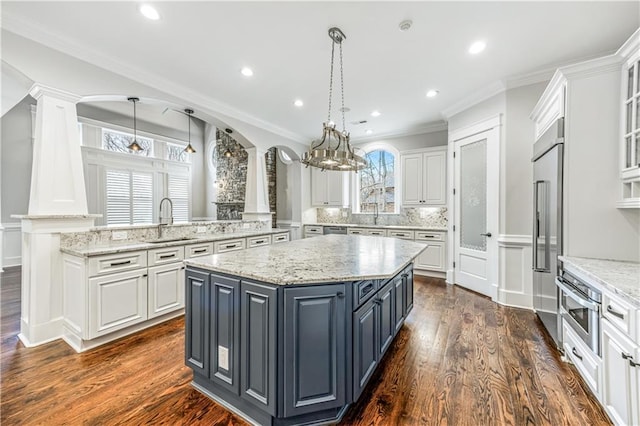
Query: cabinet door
x: 319, y: 195
x: 258, y: 305
x: 620, y: 387
x: 386, y: 302
x: 336, y: 188
x: 365, y: 345
x: 196, y: 322
x: 432, y: 258
x: 166, y: 289
x: 399, y: 294
x: 412, y: 180
x: 224, y: 326
x: 407, y: 276
x: 117, y: 301
x: 314, y: 347
x: 435, y: 178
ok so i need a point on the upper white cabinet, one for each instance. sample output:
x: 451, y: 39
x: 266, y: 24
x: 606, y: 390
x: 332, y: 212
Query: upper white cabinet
x: 329, y: 188
x: 424, y: 177
x: 630, y: 123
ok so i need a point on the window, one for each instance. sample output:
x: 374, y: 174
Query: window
x: 179, y: 194
x: 129, y: 197
x: 119, y: 141
x: 377, y: 183
x: 177, y: 153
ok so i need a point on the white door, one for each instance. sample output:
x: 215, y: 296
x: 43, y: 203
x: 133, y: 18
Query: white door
x: 476, y: 164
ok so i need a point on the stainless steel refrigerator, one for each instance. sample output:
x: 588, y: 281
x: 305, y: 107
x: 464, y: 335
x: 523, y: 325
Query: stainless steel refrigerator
x: 547, y: 226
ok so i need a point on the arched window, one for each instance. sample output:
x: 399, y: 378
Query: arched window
x: 377, y: 182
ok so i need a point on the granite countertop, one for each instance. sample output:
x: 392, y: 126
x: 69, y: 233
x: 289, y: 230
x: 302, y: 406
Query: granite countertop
x: 360, y: 225
x: 621, y: 278
x: 328, y: 258
x: 133, y: 246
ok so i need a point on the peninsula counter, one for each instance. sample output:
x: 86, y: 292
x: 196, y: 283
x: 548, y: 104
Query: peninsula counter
x: 291, y: 333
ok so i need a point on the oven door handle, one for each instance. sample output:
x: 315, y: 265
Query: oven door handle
x: 585, y: 303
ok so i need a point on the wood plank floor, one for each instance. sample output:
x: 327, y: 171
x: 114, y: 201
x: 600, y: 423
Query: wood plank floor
x: 460, y: 359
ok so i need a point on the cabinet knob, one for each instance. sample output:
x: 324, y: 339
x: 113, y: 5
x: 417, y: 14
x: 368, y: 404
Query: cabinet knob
x: 340, y: 294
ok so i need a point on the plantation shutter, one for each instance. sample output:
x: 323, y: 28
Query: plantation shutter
x: 142, y: 197
x: 118, y: 197
x: 179, y: 194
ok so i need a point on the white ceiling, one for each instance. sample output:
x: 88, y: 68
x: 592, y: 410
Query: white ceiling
x: 203, y: 45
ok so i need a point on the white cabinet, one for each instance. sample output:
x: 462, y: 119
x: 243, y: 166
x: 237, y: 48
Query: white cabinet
x: 630, y: 123
x: 329, y: 188
x: 424, y: 177
x: 432, y: 258
x: 166, y: 289
x: 280, y: 238
x: 263, y: 240
x: 621, y: 376
x: 197, y: 250
x: 229, y: 245
x: 116, y: 301
x: 313, y: 231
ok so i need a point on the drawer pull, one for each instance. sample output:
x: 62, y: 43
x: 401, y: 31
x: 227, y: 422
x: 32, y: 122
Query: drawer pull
x: 429, y: 236
x: 575, y: 353
x: 404, y: 275
x: 626, y: 356
x: 167, y: 256
x: 614, y: 312
x: 399, y: 235
x: 366, y: 289
x: 200, y: 251
x: 340, y: 294
x: 144, y: 275
x: 230, y: 246
x: 260, y: 242
x: 126, y: 262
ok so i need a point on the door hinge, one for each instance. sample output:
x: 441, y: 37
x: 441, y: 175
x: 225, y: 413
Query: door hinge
x: 454, y: 191
x: 454, y: 154
x: 454, y: 228
x: 454, y: 265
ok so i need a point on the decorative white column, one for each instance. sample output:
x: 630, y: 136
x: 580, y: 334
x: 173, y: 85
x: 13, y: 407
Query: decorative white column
x: 256, y: 200
x: 57, y: 203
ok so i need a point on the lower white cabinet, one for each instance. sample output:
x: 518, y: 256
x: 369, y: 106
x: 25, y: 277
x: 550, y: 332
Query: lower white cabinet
x: 166, y: 289
x: 116, y: 301
x: 621, y: 376
x: 432, y: 258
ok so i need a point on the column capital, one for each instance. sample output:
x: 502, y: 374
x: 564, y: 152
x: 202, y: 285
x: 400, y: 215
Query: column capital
x: 38, y: 90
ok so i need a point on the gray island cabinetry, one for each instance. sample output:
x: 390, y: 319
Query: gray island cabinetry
x: 292, y: 333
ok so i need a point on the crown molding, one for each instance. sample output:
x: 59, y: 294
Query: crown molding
x: 630, y: 46
x: 534, y: 77
x: 29, y: 31
x: 433, y: 127
x: 483, y: 94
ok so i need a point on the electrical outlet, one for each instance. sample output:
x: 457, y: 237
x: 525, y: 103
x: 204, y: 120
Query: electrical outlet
x: 119, y: 235
x: 201, y: 229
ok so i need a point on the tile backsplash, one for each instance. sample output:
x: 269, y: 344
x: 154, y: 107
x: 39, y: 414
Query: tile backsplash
x: 104, y: 236
x: 432, y: 217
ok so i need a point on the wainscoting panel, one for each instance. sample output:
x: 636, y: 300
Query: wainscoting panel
x: 11, y: 244
x: 515, y: 277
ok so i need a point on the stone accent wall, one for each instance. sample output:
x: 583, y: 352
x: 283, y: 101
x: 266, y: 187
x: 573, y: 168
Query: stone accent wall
x: 231, y: 176
x: 270, y: 158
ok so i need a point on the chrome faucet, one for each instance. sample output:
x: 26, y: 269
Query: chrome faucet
x: 161, y: 220
x: 375, y: 213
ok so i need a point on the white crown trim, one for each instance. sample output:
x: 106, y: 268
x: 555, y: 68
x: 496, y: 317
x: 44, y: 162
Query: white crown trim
x: 475, y: 98
x: 438, y: 126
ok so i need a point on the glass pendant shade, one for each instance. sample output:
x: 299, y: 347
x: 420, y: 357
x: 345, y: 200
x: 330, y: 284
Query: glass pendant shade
x: 189, y: 149
x: 134, y: 146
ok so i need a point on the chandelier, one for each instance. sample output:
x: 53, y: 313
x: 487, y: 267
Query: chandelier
x: 333, y: 150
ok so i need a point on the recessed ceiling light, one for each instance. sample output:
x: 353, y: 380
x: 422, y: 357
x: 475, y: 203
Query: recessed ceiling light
x: 405, y: 25
x: 368, y: 131
x: 432, y: 93
x: 477, y: 47
x: 149, y: 12
x: 375, y: 113
x: 298, y: 103
x: 246, y: 71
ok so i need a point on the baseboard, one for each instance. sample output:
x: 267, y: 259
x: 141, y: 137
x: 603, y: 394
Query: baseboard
x: 40, y: 334
x: 425, y: 273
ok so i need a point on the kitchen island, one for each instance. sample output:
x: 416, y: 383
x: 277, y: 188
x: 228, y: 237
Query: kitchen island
x: 292, y: 333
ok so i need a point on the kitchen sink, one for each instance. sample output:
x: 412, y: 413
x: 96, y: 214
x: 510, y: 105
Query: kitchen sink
x: 170, y: 240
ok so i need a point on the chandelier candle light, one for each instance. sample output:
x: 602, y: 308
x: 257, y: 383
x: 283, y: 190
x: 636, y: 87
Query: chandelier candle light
x: 333, y: 151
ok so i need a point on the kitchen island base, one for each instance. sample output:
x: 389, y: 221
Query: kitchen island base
x: 290, y: 354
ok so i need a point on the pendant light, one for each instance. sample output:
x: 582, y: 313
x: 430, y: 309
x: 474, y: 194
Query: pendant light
x: 333, y: 151
x: 134, y: 146
x: 228, y: 152
x: 189, y: 149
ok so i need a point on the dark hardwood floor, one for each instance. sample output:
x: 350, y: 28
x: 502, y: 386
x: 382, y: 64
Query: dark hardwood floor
x: 460, y: 359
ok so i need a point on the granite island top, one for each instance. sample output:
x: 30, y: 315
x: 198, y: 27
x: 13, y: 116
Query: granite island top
x: 323, y: 259
x: 360, y: 225
x: 116, y: 247
x: 621, y: 278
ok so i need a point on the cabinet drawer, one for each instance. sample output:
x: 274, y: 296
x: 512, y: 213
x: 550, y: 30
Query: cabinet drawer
x: 197, y: 250
x: 581, y: 356
x: 263, y: 240
x: 280, y: 238
x: 429, y: 236
x: 363, y: 290
x: 356, y: 231
x: 313, y: 229
x: 377, y: 232
x: 229, y: 245
x: 162, y: 256
x: 404, y: 235
x: 620, y: 313
x: 117, y: 262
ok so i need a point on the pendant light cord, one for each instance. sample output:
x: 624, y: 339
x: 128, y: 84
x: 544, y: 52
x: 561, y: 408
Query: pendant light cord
x: 333, y: 46
x: 344, y: 127
x: 135, y: 128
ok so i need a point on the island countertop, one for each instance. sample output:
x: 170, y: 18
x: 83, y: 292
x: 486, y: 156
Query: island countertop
x: 328, y: 258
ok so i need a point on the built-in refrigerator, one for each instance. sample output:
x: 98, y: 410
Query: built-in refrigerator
x: 547, y: 226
